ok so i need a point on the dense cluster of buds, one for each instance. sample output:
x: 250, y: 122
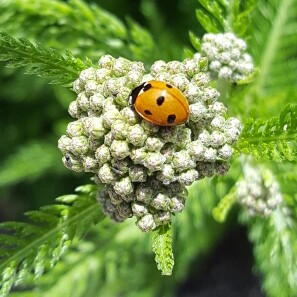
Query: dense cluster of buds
x: 258, y: 191
x: 145, y: 167
x: 227, y: 57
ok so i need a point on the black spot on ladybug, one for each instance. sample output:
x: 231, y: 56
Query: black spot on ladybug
x: 169, y: 86
x: 134, y: 93
x: 146, y: 87
x: 147, y: 112
x: 171, y: 118
x: 160, y: 100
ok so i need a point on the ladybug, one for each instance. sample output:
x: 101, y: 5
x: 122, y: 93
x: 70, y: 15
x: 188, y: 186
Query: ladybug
x: 160, y: 103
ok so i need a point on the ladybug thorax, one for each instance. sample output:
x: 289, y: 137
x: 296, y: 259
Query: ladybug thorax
x: 160, y: 103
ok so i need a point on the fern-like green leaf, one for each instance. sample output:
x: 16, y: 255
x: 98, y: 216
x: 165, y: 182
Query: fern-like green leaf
x: 41, y: 61
x: 162, y: 247
x: 225, y: 16
x: 275, y: 245
x: 31, y: 248
x: 273, y: 45
x: 272, y: 139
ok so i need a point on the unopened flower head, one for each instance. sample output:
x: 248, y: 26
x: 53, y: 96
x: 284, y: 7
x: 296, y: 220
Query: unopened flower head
x: 258, y: 191
x: 227, y: 57
x: 145, y: 167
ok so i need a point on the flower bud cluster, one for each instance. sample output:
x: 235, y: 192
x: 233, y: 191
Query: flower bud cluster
x: 258, y: 191
x: 227, y: 56
x: 146, y: 167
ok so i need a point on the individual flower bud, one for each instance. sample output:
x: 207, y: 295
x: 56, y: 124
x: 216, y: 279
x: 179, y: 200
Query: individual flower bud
x: 119, y: 130
x: 137, y: 174
x: 129, y: 116
x: 232, y: 135
x: 87, y: 74
x: 153, y: 144
x: 188, y: 177
x: 225, y: 57
x: 163, y: 76
x: 96, y: 102
x: 225, y: 152
x: 180, y: 81
x: 64, y: 144
x: 72, y: 162
x: 133, y: 79
x: 109, y: 117
x: 166, y: 175
x: 102, y: 154
x: 217, y: 139
x: 106, y: 174
x: 162, y: 217
x: 154, y: 161
x: 149, y: 127
x: 106, y: 61
x: 210, y: 154
x: 144, y: 193
x: 204, y: 137
x: 158, y: 67
x: 210, y: 95
x: 73, y: 110
x: 108, y: 139
x: 121, y: 66
x: 79, y: 145
x: 197, y: 112
x: 197, y: 150
x: 225, y: 73
x: 94, y: 143
x: 190, y: 67
x: 192, y: 93
x: 74, y: 129
x: 168, y: 134
x: 232, y: 123
x: 103, y: 74
x: 218, y: 108
x: 168, y: 152
x: 119, y: 149
x: 201, y: 79
x: 91, y: 87
x: 146, y: 223
x: 184, y: 137
x: 111, y: 87
x: 182, y: 161
x: 218, y: 122
x: 90, y: 164
x: 176, y: 204
x: 124, y: 211
x: 136, y: 135
x: 175, y: 67
x: 114, y: 197
x: 78, y: 86
x: 122, y: 96
x: 215, y: 66
x: 96, y: 128
x: 138, y: 155
x: 123, y: 186
x: 139, y: 210
x: 160, y: 202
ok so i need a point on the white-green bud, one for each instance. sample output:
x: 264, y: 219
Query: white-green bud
x: 197, y: 112
x: 96, y: 128
x: 94, y: 143
x: 136, y: 135
x: 77, y: 86
x: 64, y: 144
x: 158, y: 67
x: 138, y: 155
x: 123, y: 187
x: 218, y: 108
x: 103, y: 74
x: 225, y: 73
x: 201, y: 79
x: 73, y: 110
x: 160, y: 202
x: 114, y: 197
x: 74, y: 129
x: 96, y: 102
x: 218, y: 122
x: 144, y: 193
x: 176, y: 204
x: 210, y: 154
x: 146, y: 223
x: 168, y: 152
x: 153, y: 144
x: 175, y: 67
x: 225, y: 152
x: 138, y: 174
x: 162, y: 217
x: 192, y: 93
x: 133, y: 79
x: 180, y: 81
x: 139, y: 209
x: 168, y: 134
x: 124, y: 211
x: 188, y: 177
x: 205, y: 138
x: 106, y: 61
x: 183, y: 137
x: 210, y: 95
x: 119, y: 149
x: 154, y: 161
x: 72, y: 162
x: 109, y: 117
x: 232, y: 135
x: 217, y: 139
x: 108, y: 139
x: 221, y: 168
x: 119, y: 130
x: 206, y: 168
x: 130, y: 116
x: 191, y: 67
x: 121, y: 66
x: 102, y: 154
x: 87, y: 74
x: 197, y: 150
x: 150, y: 127
x: 182, y: 161
x: 106, y: 174
x: 166, y: 175
x: 91, y: 87
x: 90, y: 164
x: 79, y: 145
x: 122, y: 97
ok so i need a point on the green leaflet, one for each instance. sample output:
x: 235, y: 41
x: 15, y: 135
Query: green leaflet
x: 162, y: 247
x: 272, y: 139
x: 41, y: 61
x: 40, y: 243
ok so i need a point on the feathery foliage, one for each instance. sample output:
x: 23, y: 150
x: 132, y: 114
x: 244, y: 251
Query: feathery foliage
x: 272, y: 139
x: 162, y: 247
x: 42, y: 61
x: 30, y: 248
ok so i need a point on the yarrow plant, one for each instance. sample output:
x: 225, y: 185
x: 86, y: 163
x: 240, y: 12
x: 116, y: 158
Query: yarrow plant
x: 146, y: 167
x: 233, y: 147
